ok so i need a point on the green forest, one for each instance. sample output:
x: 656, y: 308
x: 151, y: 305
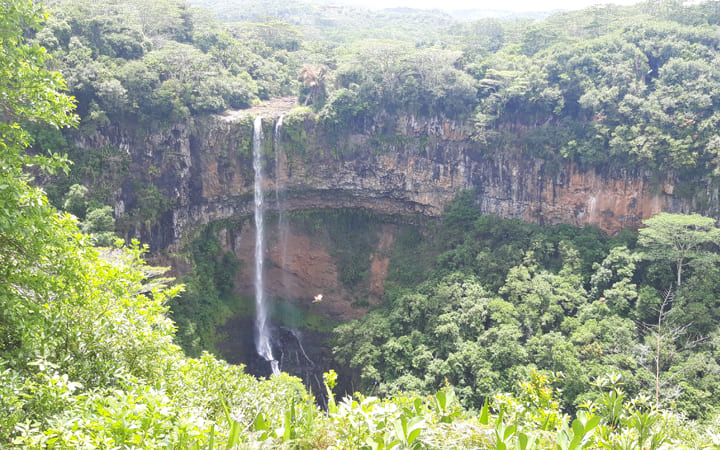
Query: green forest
x: 493, y: 332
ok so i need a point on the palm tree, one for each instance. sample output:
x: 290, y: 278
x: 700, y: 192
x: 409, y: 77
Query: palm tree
x: 315, y: 78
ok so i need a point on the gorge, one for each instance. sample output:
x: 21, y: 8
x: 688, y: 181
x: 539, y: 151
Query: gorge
x: 405, y: 175
x: 201, y: 170
x: 323, y: 227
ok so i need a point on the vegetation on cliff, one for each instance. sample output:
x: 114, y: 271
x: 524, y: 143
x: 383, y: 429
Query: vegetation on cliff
x: 606, y: 85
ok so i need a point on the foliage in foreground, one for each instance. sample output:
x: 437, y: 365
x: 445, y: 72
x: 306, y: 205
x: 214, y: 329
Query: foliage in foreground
x: 532, y: 420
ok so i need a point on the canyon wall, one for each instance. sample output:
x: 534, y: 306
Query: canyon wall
x: 200, y: 172
x: 203, y: 171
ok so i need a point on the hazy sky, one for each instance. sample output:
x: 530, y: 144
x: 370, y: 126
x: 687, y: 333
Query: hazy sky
x: 512, y: 5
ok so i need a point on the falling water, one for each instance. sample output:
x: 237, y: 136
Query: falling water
x: 262, y: 332
x: 298, y: 337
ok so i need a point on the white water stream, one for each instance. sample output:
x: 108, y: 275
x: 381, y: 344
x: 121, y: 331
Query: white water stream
x: 262, y: 331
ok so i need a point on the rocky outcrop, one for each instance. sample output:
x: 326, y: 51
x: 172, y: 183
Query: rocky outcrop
x: 203, y: 171
x: 610, y: 200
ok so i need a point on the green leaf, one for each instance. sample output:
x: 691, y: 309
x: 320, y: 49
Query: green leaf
x: 484, y: 414
x: 509, y: 431
x: 592, y: 423
x: 441, y: 400
x: 226, y: 411
x: 523, y: 441
x: 260, y: 424
x: 288, y: 426
x: 233, y: 435
x: 415, y: 427
x: 578, y: 428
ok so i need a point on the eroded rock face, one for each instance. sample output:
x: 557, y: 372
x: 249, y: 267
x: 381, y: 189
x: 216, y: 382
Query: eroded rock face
x: 204, y: 171
x: 612, y: 201
x: 301, y: 271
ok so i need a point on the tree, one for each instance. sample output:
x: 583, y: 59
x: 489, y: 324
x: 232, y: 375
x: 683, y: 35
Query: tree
x: 669, y: 339
x: 680, y: 239
x: 101, y: 225
x: 314, y: 78
x: 612, y: 280
x: 28, y: 225
x: 543, y: 298
x: 30, y: 92
x: 75, y: 201
x: 29, y: 239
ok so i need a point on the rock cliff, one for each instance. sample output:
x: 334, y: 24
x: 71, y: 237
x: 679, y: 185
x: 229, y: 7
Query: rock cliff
x: 197, y: 173
x: 200, y: 172
x: 203, y: 172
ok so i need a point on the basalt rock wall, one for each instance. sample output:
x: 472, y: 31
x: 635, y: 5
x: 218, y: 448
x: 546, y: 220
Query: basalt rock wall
x: 203, y: 172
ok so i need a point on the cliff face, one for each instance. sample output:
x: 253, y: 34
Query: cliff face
x: 610, y: 200
x: 200, y: 172
x: 302, y: 270
x: 203, y: 173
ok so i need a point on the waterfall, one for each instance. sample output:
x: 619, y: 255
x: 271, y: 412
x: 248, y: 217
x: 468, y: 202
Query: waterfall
x: 262, y: 331
x: 298, y: 336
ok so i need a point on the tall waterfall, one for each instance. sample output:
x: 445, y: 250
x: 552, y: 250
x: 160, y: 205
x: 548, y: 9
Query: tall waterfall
x: 262, y: 331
